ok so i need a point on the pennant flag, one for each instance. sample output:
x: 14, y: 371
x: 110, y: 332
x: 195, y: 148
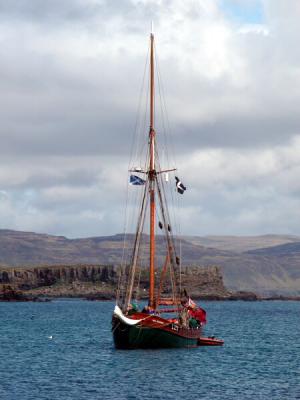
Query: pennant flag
x: 180, y: 186
x: 136, y: 180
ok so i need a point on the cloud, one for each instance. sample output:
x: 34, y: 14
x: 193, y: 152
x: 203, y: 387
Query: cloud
x: 70, y: 78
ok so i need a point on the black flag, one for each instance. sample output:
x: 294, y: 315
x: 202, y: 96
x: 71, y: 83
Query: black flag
x: 179, y: 186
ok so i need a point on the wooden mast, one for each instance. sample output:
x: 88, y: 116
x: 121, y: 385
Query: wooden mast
x: 152, y: 174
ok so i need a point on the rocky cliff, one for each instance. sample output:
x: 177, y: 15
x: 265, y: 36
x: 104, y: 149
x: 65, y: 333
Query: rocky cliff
x: 100, y: 281
x: 271, y: 270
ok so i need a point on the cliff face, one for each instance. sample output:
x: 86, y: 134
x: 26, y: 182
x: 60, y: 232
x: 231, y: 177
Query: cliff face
x: 203, y: 281
x: 244, y: 265
x: 31, y: 278
x: 101, y: 281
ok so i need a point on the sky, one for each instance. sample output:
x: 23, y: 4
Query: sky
x: 70, y: 79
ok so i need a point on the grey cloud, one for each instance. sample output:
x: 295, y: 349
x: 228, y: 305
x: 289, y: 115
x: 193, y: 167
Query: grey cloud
x: 88, y: 14
x: 36, y: 10
x: 77, y: 103
x: 238, y: 133
x: 61, y: 99
x: 76, y: 178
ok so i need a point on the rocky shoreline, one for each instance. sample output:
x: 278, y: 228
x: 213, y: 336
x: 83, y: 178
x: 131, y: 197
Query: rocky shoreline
x: 9, y: 294
x: 94, y: 281
x: 99, y: 282
x: 47, y: 294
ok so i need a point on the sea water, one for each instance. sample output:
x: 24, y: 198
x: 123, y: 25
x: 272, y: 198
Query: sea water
x: 64, y: 350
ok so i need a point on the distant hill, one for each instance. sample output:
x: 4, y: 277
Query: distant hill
x: 28, y: 248
x: 273, y: 267
x: 287, y: 249
x: 240, y: 244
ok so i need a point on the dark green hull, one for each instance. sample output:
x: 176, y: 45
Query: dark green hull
x: 142, y: 337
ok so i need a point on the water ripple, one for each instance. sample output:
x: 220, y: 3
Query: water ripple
x: 260, y: 359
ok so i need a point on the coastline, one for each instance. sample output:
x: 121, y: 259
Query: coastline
x: 12, y: 295
x: 99, y: 283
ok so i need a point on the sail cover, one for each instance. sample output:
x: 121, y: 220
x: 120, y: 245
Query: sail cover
x: 128, y: 321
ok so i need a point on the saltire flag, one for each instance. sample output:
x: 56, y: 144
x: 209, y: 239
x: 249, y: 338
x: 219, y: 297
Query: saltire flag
x: 136, y: 180
x: 179, y: 186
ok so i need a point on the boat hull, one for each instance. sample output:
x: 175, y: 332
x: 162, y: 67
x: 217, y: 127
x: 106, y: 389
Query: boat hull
x: 148, y: 335
x: 210, y: 341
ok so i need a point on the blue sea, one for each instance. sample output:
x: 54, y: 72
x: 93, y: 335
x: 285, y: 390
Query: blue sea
x: 63, y: 350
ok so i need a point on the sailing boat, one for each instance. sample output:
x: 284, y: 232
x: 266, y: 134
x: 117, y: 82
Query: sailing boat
x: 152, y: 327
